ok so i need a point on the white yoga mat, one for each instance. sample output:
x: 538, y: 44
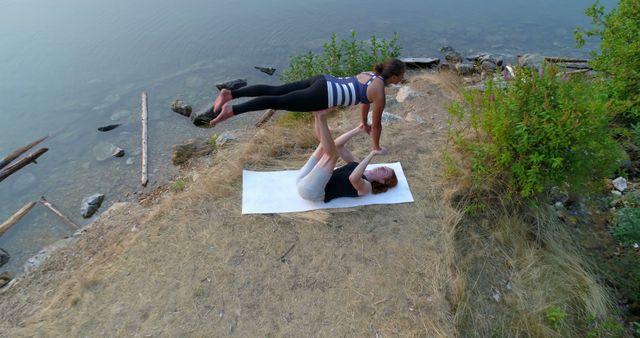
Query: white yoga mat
x: 270, y: 192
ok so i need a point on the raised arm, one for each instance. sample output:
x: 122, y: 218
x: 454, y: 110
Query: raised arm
x: 361, y: 185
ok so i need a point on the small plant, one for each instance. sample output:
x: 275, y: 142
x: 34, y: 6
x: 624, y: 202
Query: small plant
x: 213, y: 140
x: 556, y: 316
x: 291, y: 118
x: 626, y: 227
x: 475, y: 209
x: 179, y: 184
x: 609, y: 327
x: 450, y: 167
x: 344, y: 57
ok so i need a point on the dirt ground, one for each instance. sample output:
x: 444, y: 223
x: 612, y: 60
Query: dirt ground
x: 190, y: 264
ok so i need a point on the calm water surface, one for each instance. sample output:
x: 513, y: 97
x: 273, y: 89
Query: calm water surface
x: 70, y: 66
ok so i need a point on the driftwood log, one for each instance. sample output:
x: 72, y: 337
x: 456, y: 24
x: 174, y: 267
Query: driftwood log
x: 15, y: 218
x: 265, y: 117
x: 57, y: 212
x: 144, y: 180
x: 31, y: 158
x: 5, y: 161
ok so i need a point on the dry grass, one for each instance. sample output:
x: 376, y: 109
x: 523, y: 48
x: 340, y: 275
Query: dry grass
x: 194, y: 266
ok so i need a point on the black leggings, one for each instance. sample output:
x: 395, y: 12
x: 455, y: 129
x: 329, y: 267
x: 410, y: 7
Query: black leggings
x: 302, y: 96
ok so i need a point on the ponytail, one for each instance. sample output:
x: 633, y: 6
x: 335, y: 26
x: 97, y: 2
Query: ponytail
x: 389, y: 68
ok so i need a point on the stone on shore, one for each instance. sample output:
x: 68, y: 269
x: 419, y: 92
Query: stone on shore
x: 465, y: 69
x: 451, y: 55
x: 181, y: 108
x: 405, y: 93
x: 189, y: 149
x: 531, y: 60
x: 620, y: 184
x: 91, y: 204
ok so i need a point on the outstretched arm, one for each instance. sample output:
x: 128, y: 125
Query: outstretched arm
x: 364, y: 117
x: 363, y: 186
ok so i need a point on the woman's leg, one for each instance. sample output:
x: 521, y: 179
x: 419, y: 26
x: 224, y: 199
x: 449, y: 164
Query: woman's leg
x: 312, y: 98
x: 311, y: 186
x: 261, y: 90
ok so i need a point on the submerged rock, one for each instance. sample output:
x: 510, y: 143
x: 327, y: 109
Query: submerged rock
x: 5, y: 278
x: 181, y: 108
x: 91, y: 204
x: 266, y: 70
x: 103, y: 150
x: 45, y: 253
x: 109, y: 127
x: 4, y: 257
x: 118, y: 152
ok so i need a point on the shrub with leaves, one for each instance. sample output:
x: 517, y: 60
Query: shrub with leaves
x: 345, y: 57
x: 536, y: 130
x: 618, y: 60
x: 626, y: 225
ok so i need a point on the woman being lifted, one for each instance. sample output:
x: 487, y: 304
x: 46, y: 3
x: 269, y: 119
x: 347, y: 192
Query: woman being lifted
x: 318, y: 93
x: 319, y: 181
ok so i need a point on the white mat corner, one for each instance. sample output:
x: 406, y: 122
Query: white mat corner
x: 270, y: 192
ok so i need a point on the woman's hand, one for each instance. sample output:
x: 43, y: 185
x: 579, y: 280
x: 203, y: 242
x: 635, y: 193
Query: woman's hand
x: 366, y: 127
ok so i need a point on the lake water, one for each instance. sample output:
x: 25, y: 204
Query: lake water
x: 68, y: 67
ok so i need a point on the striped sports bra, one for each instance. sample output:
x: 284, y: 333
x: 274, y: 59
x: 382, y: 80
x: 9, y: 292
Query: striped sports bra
x: 347, y: 91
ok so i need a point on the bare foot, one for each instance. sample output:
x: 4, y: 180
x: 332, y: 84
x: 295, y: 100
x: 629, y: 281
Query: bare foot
x: 227, y: 112
x: 223, y: 97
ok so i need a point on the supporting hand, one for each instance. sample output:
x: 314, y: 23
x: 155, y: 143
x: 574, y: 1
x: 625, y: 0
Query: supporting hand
x: 366, y: 127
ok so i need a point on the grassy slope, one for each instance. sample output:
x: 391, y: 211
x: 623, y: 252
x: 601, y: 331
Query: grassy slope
x: 191, y: 264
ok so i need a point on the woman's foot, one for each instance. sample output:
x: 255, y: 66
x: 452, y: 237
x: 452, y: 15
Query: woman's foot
x: 223, y: 97
x: 225, y: 113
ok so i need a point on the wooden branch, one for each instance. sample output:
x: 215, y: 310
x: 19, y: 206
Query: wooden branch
x: 144, y: 179
x: 15, y: 218
x: 553, y: 59
x: 31, y: 158
x: 265, y: 117
x: 5, y: 161
x: 57, y: 212
x: 282, y: 258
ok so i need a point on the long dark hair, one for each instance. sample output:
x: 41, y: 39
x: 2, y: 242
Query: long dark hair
x: 389, y: 68
x: 377, y: 187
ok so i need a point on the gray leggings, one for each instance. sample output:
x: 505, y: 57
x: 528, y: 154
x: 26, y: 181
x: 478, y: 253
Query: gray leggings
x: 312, y: 180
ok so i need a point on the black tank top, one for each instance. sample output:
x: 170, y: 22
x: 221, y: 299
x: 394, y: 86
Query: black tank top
x: 339, y: 184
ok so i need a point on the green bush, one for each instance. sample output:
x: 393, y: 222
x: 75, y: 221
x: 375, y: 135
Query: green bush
x: 617, y: 61
x: 537, y: 130
x: 626, y: 224
x: 342, y: 58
